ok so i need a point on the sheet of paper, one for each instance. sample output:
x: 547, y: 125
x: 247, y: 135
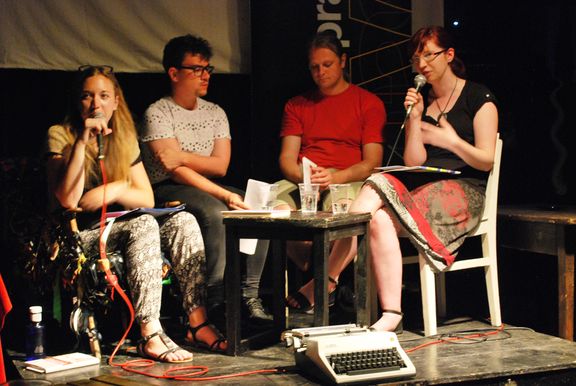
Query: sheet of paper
x: 256, y: 194
x: 306, y: 165
x: 256, y: 197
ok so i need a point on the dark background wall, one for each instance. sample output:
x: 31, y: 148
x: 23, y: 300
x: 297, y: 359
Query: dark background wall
x: 525, y: 52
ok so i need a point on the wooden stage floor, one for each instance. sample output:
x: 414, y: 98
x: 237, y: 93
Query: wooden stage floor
x: 514, y: 356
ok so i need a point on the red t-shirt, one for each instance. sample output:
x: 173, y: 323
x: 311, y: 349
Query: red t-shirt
x: 334, y: 128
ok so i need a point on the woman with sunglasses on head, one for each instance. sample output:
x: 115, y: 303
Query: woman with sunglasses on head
x: 97, y: 106
x: 454, y: 127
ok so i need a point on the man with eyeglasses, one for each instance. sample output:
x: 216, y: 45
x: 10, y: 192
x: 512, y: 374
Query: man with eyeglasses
x: 186, y: 143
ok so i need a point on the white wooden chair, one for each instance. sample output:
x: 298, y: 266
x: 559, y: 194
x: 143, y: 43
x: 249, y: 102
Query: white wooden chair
x: 487, y: 231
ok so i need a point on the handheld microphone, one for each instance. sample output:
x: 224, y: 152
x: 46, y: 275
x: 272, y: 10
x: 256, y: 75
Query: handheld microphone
x: 100, y: 137
x: 419, y: 82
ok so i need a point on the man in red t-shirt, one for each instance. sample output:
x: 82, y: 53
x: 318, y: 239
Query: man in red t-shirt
x: 338, y: 126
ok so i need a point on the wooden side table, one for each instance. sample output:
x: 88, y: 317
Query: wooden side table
x: 550, y: 232
x: 321, y: 229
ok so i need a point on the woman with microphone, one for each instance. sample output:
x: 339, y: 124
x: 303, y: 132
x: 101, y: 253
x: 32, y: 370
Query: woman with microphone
x: 77, y: 179
x: 453, y: 126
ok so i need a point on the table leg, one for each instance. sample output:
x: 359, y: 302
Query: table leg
x: 365, y: 298
x: 320, y: 253
x: 279, y: 285
x: 565, y: 286
x: 233, y: 291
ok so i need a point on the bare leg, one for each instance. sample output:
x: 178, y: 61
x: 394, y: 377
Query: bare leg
x: 387, y: 268
x: 299, y: 252
x: 386, y: 256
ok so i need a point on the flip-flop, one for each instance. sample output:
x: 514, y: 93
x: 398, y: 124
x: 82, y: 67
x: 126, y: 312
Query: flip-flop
x: 172, y: 347
x: 214, y: 347
x: 303, y: 304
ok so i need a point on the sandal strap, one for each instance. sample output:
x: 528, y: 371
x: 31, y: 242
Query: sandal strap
x: 169, y: 343
x: 216, y: 344
x: 162, y: 357
x: 393, y: 312
x: 197, y: 328
x: 146, y: 338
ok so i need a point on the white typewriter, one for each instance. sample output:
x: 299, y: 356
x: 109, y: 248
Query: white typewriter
x: 348, y: 353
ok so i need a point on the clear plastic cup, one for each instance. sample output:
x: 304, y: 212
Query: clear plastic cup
x: 340, y: 197
x: 309, y: 197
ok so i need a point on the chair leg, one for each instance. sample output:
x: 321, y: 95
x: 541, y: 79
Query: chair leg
x: 441, y: 294
x: 428, y: 289
x: 491, y: 275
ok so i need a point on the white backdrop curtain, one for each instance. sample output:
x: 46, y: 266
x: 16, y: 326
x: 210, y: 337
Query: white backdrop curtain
x: 127, y: 34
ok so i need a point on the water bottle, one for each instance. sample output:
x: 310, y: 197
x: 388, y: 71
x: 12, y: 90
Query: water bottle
x: 35, y: 339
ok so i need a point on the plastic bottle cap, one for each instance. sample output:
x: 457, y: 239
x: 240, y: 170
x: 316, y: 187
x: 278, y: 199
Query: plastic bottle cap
x: 35, y: 313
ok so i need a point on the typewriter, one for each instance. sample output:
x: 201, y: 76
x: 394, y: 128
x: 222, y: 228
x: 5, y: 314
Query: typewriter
x: 348, y: 353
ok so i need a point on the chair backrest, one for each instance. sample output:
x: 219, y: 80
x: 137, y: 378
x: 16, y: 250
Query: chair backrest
x: 491, y: 204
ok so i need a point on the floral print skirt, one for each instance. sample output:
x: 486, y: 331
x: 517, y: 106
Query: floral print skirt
x: 436, y: 216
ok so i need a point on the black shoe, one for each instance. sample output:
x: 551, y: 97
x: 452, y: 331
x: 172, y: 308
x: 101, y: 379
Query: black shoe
x: 255, y: 312
x: 303, y: 304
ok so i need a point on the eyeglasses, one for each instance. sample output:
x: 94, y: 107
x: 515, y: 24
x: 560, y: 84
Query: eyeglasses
x: 100, y: 67
x: 426, y: 57
x: 198, y: 70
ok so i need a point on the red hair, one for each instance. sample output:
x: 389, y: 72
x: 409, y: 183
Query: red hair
x: 442, y: 39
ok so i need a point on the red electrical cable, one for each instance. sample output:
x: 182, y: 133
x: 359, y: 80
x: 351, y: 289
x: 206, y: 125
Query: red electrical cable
x: 457, y: 338
x: 105, y: 265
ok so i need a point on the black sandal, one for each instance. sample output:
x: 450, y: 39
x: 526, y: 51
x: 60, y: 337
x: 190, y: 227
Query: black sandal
x: 214, y: 347
x: 303, y: 302
x: 169, y: 343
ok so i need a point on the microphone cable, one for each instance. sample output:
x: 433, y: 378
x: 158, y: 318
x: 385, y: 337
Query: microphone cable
x: 104, y: 263
x: 419, y: 82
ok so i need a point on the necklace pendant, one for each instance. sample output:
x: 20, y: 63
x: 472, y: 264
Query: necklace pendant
x: 441, y: 115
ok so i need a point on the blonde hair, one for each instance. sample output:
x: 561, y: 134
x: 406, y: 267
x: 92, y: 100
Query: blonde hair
x: 118, y: 146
